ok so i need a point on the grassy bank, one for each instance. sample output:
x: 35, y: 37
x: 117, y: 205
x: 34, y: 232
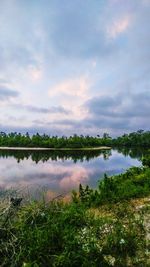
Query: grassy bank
x: 134, y: 183
x: 104, y: 227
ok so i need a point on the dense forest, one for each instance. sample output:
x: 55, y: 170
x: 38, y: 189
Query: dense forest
x: 139, y: 138
x: 37, y: 140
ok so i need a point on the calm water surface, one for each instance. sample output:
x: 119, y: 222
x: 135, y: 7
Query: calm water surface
x: 59, y: 171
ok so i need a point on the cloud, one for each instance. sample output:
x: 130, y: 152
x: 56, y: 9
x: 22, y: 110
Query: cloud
x: 7, y: 94
x: 35, y: 109
x: 138, y: 106
x: 35, y: 73
x: 77, y: 31
x: 118, y: 26
x: 77, y: 66
x: 103, y: 105
x: 76, y: 87
x: 121, y: 112
x: 72, y: 92
x: 31, y: 128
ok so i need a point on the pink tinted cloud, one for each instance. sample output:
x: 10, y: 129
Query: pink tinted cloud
x: 118, y: 26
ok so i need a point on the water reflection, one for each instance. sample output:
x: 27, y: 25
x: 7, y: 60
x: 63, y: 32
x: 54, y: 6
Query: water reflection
x: 61, y: 171
x: 135, y: 153
x: 44, y: 156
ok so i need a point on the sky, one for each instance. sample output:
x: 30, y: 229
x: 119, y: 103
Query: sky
x: 74, y: 66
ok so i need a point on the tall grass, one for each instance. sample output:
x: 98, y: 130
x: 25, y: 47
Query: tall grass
x: 60, y: 234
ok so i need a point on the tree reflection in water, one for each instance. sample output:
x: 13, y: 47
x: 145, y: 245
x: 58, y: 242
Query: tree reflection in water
x: 44, y: 156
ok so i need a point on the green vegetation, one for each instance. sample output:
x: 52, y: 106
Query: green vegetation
x: 146, y: 161
x: 139, y: 138
x: 99, y: 227
x: 58, y: 234
x: 36, y: 140
x: 134, y: 183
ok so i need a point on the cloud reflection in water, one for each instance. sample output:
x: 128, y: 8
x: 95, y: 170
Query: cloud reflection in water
x: 61, y: 175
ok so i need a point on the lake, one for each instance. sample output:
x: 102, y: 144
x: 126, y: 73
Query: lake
x: 62, y: 171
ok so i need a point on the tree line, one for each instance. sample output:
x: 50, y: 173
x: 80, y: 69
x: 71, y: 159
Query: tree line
x: 14, y: 139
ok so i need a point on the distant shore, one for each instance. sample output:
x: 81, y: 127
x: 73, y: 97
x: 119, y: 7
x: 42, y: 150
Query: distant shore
x: 50, y: 149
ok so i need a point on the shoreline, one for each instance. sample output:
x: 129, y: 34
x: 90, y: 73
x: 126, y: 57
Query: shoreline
x: 54, y: 149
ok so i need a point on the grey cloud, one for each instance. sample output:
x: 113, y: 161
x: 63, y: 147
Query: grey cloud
x: 139, y: 106
x: 68, y: 122
x: 7, y: 94
x: 114, y: 113
x: 104, y: 105
x: 78, y: 29
x: 125, y: 105
x: 35, y: 109
x: 34, y: 128
x: 59, y: 109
